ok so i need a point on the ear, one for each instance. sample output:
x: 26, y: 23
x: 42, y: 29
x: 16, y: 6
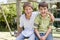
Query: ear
x: 32, y: 10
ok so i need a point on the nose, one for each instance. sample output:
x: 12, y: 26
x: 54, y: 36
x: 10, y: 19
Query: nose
x: 28, y: 10
x: 42, y: 10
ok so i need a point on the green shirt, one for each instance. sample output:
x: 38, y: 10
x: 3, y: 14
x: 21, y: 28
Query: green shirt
x: 42, y: 24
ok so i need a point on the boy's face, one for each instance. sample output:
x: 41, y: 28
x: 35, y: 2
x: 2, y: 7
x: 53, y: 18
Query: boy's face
x: 28, y: 10
x: 43, y: 10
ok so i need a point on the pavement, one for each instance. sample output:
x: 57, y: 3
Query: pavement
x: 7, y: 36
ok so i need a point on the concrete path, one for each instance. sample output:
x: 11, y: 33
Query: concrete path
x: 7, y: 36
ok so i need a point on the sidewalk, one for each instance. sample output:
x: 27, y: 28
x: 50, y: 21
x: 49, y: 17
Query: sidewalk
x: 7, y: 36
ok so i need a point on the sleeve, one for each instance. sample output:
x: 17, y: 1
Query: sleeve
x: 21, y: 21
x: 51, y: 25
x: 36, y: 22
x: 51, y: 21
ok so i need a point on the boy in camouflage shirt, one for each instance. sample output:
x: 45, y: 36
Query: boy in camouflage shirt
x: 43, y: 23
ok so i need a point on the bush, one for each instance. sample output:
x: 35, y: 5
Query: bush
x: 10, y: 12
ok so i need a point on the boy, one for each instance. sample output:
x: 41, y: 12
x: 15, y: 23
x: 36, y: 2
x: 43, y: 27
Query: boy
x: 43, y: 23
x: 27, y: 21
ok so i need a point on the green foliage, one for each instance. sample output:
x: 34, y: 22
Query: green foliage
x: 10, y: 12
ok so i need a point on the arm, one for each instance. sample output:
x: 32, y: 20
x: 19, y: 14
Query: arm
x: 20, y: 28
x: 19, y: 31
x: 37, y: 33
x: 48, y: 31
x: 49, y: 28
x: 50, y: 25
x: 51, y: 16
x: 36, y: 24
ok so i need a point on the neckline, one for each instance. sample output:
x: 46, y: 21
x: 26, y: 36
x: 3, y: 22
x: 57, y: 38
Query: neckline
x: 30, y: 17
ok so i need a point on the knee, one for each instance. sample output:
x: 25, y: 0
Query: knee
x: 17, y: 38
x: 50, y: 37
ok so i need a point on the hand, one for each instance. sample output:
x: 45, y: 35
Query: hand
x: 40, y: 38
x: 43, y: 38
x: 16, y: 35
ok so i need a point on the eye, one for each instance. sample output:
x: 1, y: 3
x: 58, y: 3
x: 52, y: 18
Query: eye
x: 40, y: 9
x: 45, y: 8
x: 29, y: 8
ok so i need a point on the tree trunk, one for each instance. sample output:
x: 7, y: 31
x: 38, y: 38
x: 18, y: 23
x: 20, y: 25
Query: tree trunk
x: 18, y: 12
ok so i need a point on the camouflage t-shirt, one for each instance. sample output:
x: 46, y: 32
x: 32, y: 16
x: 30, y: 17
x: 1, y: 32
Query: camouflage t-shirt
x: 42, y: 24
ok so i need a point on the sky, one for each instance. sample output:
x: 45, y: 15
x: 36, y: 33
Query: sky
x: 3, y: 1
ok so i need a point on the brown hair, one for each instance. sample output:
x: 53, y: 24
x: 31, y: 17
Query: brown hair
x: 27, y: 4
x: 43, y: 4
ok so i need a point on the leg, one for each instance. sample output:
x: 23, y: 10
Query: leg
x: 20, y: 37
x: 50, y: 37
x: 36, y: 38
x: 32, y: 37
